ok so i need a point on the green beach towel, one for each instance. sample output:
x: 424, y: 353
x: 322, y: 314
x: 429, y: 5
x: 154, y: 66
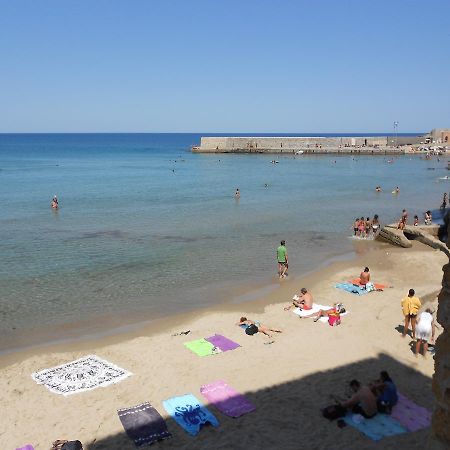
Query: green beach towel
x: 202, y: 347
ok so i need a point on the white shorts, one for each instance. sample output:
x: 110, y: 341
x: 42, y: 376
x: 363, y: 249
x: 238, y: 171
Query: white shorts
x: 423, y: 333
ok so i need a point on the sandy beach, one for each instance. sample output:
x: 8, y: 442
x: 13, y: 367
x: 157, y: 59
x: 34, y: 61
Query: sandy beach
x: 288, y: 381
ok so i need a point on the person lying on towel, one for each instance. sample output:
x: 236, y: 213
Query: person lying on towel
x: 304, y: 300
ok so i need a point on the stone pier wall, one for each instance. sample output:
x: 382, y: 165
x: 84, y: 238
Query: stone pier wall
x: 440, y: 438
x: 292, y: 144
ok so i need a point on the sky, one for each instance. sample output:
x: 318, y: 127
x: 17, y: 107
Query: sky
x: 224, y: 66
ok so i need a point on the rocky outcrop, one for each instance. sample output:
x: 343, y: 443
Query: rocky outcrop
x: 394, y: 236
x: 440, y: 435
x: 425, y: 234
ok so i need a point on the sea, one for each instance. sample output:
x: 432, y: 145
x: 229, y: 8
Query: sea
x: 146, y: 229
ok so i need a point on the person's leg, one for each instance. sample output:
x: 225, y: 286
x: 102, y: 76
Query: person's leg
x: 413, y: 326
x: 418, y: 342
x: 425, y: 348
x: 405, y: 327
x: 280, y: 269
x: 264, y: 330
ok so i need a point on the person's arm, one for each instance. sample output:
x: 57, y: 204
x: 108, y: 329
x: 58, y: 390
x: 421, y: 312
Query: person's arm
x: 433, y: 330
x: 352, y: 401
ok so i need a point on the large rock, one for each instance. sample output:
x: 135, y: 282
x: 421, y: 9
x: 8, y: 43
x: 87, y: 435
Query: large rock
x: 440, y: 433
x: 394, y: 236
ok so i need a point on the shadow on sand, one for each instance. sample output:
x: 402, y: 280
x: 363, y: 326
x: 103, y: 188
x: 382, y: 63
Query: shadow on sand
x: 288, y: 415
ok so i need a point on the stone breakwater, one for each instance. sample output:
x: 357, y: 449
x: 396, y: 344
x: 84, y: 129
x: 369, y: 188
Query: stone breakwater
x: 320, y: 145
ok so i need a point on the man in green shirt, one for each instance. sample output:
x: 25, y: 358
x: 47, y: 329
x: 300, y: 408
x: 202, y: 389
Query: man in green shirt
x: 282, y: 258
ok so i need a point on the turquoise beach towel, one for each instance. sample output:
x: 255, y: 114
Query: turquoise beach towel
x: 189, y: 413
x: 349, y: 287
x: 382, y: 425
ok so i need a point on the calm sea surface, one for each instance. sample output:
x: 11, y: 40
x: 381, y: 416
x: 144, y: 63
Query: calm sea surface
x: 147, y: 229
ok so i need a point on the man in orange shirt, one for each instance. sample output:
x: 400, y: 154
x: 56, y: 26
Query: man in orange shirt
x: 410, y: 307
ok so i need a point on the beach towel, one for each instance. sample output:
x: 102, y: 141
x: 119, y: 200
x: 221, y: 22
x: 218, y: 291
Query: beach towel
x: 143, y: 424
x: 349, y: 287
x: 315, y: 308
x: 202, y: 347
x: 376, y: 428
x: 226, y: 399
x: 80, y: 375
x: 27, y: 447
x: 222, y: 343
x: 377, y: 286
x: 189, y: 413
x: 412, y: 416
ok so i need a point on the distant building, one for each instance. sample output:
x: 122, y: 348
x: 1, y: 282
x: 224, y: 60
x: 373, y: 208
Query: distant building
x: 439, y: 136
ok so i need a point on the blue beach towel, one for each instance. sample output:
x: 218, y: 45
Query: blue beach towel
x: 349, y: 287
x: 382, y: 425
x: 189, y: 413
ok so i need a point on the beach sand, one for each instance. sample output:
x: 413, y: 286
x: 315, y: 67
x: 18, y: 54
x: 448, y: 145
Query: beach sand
x: 288, y: 381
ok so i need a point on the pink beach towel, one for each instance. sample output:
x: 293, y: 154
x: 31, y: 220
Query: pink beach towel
x: 412, y: 416
x: 27, y: 447
x: 226, y: 399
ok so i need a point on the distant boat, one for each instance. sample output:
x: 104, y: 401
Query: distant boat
x: 299, y: 152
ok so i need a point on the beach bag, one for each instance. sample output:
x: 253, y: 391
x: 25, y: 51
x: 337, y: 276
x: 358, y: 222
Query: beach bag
x: 72, y: 445
x: 251, y: 330
x: 370, y: 287
x: 334, y: 320
x: 334, y: 412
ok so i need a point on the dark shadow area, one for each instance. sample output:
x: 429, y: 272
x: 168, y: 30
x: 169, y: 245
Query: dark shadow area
x: 288, y: 416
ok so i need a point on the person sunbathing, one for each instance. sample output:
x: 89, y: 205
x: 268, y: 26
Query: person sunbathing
x: 364, y: 276
x: 304, y: 300
x: 260, y: 328
x: 336, y: 310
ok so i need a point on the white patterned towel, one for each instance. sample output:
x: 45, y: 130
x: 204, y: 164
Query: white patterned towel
x: 80, y: 375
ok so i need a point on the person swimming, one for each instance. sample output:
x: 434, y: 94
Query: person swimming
x: 54, y: 203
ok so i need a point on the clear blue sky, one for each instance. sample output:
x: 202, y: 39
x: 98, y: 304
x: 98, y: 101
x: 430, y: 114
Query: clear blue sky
x: 224, y: 65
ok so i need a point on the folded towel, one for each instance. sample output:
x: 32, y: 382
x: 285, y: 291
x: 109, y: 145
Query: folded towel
x: 202, y: 347
x: 189, y: 413
x: 412, y: 416
x: 376, y: 428
x: 143, y: 424
x: 226, y: 399
x: 222, y: 343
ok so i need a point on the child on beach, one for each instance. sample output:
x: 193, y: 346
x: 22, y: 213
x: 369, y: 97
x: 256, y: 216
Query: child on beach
x: 375, y: 224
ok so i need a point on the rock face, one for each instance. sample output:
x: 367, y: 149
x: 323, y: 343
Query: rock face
x: 440, y: 435
x: 392, y: 235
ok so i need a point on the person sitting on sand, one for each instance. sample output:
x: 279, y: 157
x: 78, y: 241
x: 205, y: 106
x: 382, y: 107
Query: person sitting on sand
x: 362, y: 401
x: 386, y: 392
x: 264, y: 329
x: 425, y: 330
x: 364, y: 277
x: 304, y: 300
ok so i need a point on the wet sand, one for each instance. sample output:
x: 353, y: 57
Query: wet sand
x: 287, y: 381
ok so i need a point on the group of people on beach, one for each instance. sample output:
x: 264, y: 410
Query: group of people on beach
x: 366, y: 228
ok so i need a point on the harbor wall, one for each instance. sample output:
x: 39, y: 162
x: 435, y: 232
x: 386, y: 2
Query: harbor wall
x: 370, y: 144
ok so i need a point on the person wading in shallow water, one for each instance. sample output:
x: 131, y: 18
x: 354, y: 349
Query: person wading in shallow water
x: 282, y: 258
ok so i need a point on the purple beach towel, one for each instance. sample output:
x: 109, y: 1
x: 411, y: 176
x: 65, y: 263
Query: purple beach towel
x: 27, y: 447
x: 226, y: 399
x: 412, y: 416
x: 222, y: 342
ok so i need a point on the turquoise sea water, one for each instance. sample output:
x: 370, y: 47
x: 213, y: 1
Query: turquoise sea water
x: 146, y: 228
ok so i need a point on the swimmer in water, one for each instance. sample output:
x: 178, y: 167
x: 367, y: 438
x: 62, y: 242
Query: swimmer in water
x: 55, y: 202
x: 237, y: 194
x: 378, y: 189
